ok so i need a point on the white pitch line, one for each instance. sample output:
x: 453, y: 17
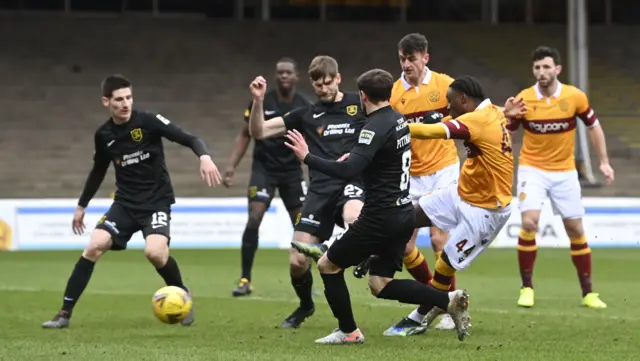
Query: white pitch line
x: 362, y: 300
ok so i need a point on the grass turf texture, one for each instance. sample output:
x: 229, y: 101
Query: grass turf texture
x: 113, y: 320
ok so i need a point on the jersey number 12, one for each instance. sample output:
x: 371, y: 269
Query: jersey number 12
x: 406, y: 165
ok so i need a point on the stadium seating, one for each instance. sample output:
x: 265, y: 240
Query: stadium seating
x: 196, y: 73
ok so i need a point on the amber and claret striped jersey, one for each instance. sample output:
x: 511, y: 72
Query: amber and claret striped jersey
x: 427, y: 156
x: 486, y: 177
x: 550, y: 125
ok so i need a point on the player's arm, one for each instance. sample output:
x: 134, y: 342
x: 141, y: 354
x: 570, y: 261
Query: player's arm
x: 596, y: 133
x: 370, y: 140
x: 96, y: 175
x: 261, y: 129
x: 174, y: 133
x: 242, y: 141
x: 448, y: 129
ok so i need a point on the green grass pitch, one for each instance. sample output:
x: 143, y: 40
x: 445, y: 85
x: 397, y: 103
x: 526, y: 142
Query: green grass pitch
x: 113, y: 320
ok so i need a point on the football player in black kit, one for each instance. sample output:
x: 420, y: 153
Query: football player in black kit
x: 132, y: 141
x: 383, y: 156
x: 274, y: 166
x: 330, y: 126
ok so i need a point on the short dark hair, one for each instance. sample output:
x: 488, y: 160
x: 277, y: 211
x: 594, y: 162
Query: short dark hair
x: 288, y: 60
x: 376, y: 84
x: 470, y: 86
x: 323, y: 66
x: 412, y: 43
x: 114, y: 82
x: 542, y: 52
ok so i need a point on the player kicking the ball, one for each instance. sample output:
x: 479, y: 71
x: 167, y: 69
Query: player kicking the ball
x: 132, y: 141
x: 475, y: 210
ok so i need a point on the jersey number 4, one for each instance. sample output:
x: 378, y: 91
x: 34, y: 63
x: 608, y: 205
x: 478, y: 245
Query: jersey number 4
x: 159, y: 219
x: 406, y: 166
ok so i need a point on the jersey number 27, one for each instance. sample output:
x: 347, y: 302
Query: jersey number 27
x: 406, y: 165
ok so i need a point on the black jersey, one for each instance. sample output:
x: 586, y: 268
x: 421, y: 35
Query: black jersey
x: 383, y: 155
x: 330, y: 129
x: 135, y: 148
x: 272, y: 153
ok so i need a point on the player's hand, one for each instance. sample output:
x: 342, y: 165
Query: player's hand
x: 258, y: 87
x: 432, y: 117
x: 297, y: 144
x: 343, y: 157
x: 78, y: 221
x: 514, y: 108
x: 608, y: 172
x: 227, y: 178
x: 209, y: 172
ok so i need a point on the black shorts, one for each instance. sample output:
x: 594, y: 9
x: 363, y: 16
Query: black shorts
x: 263, y: 185
x: 122, y: 222
x: 382, y: 237
x: 322, y: 209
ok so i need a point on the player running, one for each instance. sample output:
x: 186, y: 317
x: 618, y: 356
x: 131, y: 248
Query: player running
x: 547, y: 168
x: 387, y: 221
x: 330, y: 126
x: 132, y: 141
x: 274, y: 166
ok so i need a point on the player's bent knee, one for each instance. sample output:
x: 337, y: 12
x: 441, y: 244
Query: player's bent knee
x: 327, y: 267
x: 298, y: 263
x: 377, y: 284
x: 156, y: 249
x: 99, y: 244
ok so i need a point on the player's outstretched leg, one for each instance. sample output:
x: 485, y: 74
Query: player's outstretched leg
x: 157, y: 251
x: 99, y: 244
x: 302, y: 282
x: 456, y: 303
x: 420, y: 319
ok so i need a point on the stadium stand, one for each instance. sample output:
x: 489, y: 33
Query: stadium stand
x: 197, y: 72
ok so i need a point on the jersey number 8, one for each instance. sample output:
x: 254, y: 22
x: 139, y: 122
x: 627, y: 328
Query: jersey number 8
x: 406, y: 166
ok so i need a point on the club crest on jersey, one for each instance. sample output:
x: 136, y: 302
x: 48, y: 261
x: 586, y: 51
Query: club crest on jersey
x: 136, y: 134
x: 366, y: 136
x: 352, y: 109
x: 563, y: 105
x: 434, y: 96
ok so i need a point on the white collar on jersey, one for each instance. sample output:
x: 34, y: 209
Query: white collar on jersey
x: 539, y: 94
x: 425, y: 81
x: 485, y: 103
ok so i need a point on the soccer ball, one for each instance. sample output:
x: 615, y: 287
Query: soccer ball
x: 171, y: 304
